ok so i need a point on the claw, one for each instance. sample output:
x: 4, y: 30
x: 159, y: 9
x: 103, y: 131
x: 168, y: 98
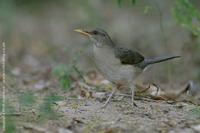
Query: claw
x: 134, y: 104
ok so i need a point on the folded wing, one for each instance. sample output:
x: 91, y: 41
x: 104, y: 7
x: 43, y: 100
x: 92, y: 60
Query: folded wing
x: 128, y: 57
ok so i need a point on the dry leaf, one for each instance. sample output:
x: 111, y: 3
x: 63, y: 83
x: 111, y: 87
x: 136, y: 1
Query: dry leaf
x: 157, y: 93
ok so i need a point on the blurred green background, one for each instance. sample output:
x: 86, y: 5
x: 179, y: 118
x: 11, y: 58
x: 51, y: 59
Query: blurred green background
x: 39, y: 34
x: 43, y: 53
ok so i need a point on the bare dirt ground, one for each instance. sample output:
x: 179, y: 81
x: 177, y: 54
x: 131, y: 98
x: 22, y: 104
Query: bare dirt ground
x: 38, y: 105
x: 119, y: 116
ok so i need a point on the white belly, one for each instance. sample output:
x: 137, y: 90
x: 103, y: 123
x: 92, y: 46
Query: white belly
x: 112, y: 68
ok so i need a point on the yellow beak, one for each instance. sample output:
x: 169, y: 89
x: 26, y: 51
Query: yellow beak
x: 82, y: 32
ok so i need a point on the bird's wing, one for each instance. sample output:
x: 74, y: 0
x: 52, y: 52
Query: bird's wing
x: 128, y: 57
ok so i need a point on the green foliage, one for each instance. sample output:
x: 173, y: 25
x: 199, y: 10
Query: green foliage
x: 1, y: 103
x: 63, y: 73
x: 46, y: 109
x: 8, y: 108
x: 26, y: 99
x: 147, y: 8
x: 187, y: 16
x: 120, y: 2
x: 195, y: 112
x: 31, y: 2
x: 10, y: 125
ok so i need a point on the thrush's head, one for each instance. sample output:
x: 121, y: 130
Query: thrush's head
x: 99, y: 37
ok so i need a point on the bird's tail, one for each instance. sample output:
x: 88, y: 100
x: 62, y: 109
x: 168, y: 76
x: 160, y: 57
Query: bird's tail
x: 149, y: 61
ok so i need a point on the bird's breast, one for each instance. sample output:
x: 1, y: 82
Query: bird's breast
x: 111, y: 67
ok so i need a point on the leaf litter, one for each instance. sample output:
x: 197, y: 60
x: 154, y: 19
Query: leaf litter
x: 52, y: 109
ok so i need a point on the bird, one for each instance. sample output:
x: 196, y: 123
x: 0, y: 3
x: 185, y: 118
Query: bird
x: 119, y: 65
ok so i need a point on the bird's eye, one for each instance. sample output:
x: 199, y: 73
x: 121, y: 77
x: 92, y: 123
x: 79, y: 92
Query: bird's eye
x: 95, y: 32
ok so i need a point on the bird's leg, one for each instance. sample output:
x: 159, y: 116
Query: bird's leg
x: 109, y: 98
x: 132, y: 96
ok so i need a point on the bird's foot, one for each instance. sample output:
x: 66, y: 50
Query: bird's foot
x: 132, y: 97
x: 109, y: 98
x: 105, y: 104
